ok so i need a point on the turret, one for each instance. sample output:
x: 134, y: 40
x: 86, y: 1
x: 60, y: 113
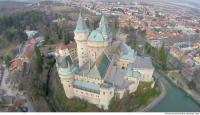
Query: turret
x: 104, y: 28
x: 81, y: 26
x: 66, y: 72
x: 81, y: 35
x: 106, y: 94
x: 133, y: 77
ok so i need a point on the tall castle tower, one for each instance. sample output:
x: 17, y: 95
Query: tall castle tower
x: 81, y: 35
x: 104, y: 28
x: 99, y: 39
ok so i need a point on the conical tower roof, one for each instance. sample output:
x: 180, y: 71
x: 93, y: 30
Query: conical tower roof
x: 81, y: 25
x: 104, y: 28
x: 103, y: 24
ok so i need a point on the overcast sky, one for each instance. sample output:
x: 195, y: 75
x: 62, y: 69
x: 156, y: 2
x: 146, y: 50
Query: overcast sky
x: 187, y: 1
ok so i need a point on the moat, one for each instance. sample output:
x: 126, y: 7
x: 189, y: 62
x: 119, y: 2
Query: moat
x: 176, y: 100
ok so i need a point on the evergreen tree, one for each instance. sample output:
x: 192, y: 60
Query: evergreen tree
x: 66, y: 38
x: 38, y: 59
x: 7, y: 60
x: 46, y: 38
x: 163, y: 57
x: 114, y: 27
x: 60, y: 34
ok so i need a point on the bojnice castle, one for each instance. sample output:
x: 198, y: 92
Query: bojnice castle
x: 97, y: 67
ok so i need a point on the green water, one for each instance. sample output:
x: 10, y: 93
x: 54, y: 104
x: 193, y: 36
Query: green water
x: 176, y: 100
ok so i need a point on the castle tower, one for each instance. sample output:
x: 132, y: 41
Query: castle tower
x: 106, y: 94
x: 81, y: 35
x: 99, y: 39
x: 104, y: 28
x: 66, y: 72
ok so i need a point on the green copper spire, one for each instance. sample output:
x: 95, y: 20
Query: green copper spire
x: 81, y: 25
x: 103, y: 27
x: 103, y: 23
x: 66, y: 68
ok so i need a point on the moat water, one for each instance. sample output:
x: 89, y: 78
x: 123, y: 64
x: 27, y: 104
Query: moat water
x: 176, y: 100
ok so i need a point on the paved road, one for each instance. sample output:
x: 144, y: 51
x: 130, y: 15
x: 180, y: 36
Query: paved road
x: 10, y: 92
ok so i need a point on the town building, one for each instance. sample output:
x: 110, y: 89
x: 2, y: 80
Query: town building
x: 103, y: 67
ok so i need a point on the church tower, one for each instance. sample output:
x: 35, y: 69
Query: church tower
x: 81, y: 35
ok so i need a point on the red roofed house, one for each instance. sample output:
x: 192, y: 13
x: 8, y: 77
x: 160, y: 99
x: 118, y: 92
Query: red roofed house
x: 15, y: 65
x: 64, y: 50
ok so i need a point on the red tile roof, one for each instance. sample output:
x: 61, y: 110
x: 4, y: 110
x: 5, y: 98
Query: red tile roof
x: 16, y: 64
x: 68, y: 46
